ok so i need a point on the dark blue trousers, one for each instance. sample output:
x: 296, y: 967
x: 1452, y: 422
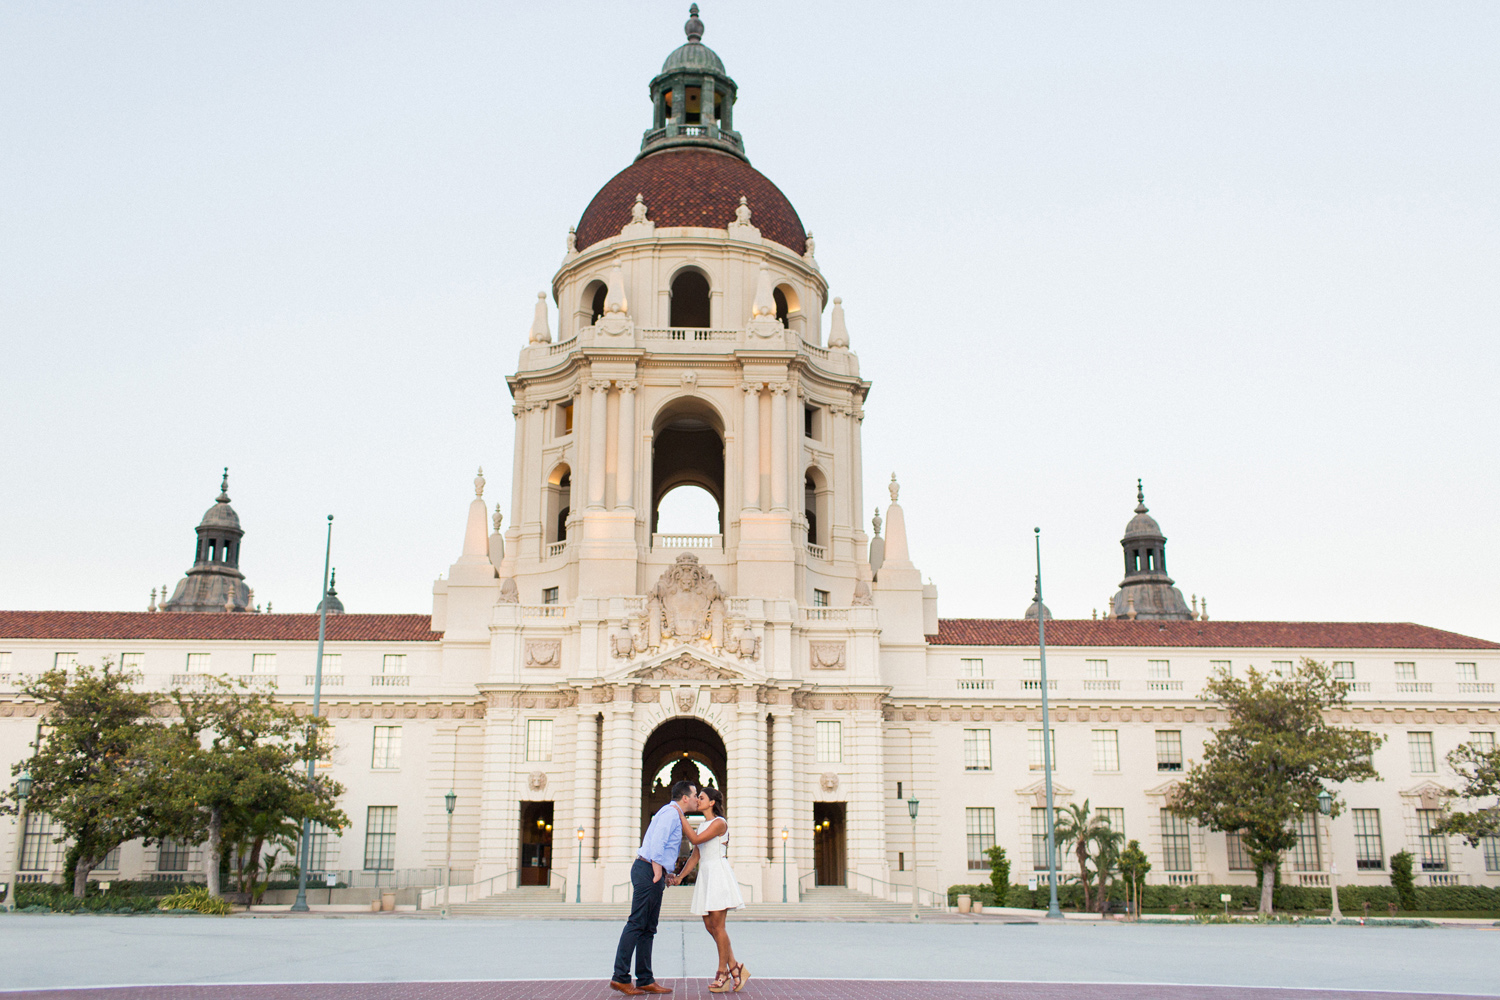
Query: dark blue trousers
x: 640, y: 930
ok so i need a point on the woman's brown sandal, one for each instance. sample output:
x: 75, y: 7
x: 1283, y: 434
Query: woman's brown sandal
x: 721, y: 983
x: 741, y: 976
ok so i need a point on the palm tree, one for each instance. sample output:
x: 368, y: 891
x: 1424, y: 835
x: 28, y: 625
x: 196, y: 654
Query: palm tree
x: 1077, y: 826
x: 1107, y: 844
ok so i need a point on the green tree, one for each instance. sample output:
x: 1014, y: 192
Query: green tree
x: 1479, y: 769
x: 1107, y: 843
x: 1076, y: 827
x: 999, y: 873
x: 1403, y: 880
x: 92, y: 770
x: 1263, y: 771
x: 237, y: 762
x: 1134, y: 866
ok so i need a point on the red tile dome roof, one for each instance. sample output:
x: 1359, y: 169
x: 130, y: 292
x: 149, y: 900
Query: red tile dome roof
x: 692, y: 187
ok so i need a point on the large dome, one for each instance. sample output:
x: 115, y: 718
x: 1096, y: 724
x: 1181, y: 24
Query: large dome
x: 692, y: 187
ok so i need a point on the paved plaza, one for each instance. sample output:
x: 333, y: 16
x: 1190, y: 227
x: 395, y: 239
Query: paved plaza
x: 422, y: 958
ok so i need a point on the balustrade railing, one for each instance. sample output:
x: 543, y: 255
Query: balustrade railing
x: 1096, y: 684
x: 1164, y: 685
x: 976, y: 684
x: 825, y: 614
x: 544, y: 610
x: 691, y: 334
x: 391, y: 680
x: 329, y: 680
x: 1471, y: 687
x: 817, y: 551
x: 1413, y: 687
x: 816, y: 351
x: 687, y: 541
x: 1035, y: 684
x: 555, y: 549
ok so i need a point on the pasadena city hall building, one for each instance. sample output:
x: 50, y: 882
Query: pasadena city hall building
x: 576, y: 662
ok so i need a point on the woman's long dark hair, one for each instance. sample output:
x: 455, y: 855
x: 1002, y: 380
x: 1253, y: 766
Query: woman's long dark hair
x: 717, y: 798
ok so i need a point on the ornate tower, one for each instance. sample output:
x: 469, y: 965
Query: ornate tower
x: 215, y: 582
x: 1146, y: 591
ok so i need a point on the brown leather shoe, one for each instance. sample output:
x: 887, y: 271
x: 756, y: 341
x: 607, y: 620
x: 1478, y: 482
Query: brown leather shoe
x: 625, y: 988
x: 653, y: 988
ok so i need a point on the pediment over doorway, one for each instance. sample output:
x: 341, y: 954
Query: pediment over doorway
x: 687, y: 667
x: 1037, y: 790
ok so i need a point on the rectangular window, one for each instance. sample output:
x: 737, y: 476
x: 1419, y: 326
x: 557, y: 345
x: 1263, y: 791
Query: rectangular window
x: 1305, y: 855
x: 810, y: 422
x: 317, y: 857
x: 333, y: 663
x: 820, y: 598
x: 1159, y: 670
x: 549, y: 595
x: 979, y: 828
x: 1282, y: 667
x: 1343, y: 670
x: 830, y: 739
x: 65, y: 661
x: 1468, y: 671
x: 1433, y: 846
x: 386, y: 754
x: 1039, y: 839
x: 263, y: 663
x: 1369, y: 850
x: 393, y: 664
x: 1106, y: 749
x: 39, y: 853
x: 1176, y: 843
x: 130, y: 663
x: 1031, y: 670
x: 1239, y: 857
x: 1096, y: 670
x: 1224, y: 667
x: 1423, y: 761
x: 564, y: 418
x: 1484, y: 741
x: 172, y: 856
x: 198, y: 663
x: 538, y: 739
x: 1406, y: 671
x: 1169, y: 750
x: 380, y: 838
x: 1114, y: 817
x: 971, y: 668
x: 901, y: 861
x: 1034, y: 757
x: 5, y: 664
x: 1491, y: 847
x: 898, y: 791
x: 111, y: 862
x: 976, y: 749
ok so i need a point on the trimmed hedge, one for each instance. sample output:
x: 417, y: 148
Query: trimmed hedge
x: 1291, y: 898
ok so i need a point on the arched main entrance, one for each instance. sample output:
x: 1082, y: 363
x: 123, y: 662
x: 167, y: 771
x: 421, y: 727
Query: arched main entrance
x: 678, y: 749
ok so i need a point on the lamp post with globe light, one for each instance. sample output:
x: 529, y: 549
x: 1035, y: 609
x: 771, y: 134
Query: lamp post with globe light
x: 1325, y: 806
x: 911, y: 807
x: 449, y: 801
x: 23, y: 792
x: 784, y: 834
x: 578, y: 886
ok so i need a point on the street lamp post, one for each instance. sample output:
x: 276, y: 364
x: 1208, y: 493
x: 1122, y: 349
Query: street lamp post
x: 784, y: 834
x: 578, y: 886
x: 1053, y: 912
x: 23, y: 792
x: 1325, y: 806
x: 449, y: 802
x: 300, y: 906
x: 911, y: 807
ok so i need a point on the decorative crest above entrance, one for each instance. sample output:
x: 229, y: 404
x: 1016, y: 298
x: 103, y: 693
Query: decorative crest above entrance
x: 685, y: 608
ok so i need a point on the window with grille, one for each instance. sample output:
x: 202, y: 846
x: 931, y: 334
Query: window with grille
x: 317, y: 854
x: 39, y: 852
x: 380, y: 838
x: 538, y: 739
x: 67, y: 661
x: 1176, y: 843
x: 1484, y: 741
x: 1159, y: 670
x: 976, y: 750
x: 971, y: 668
x: 979, y: 828
x: 4, y: 663
x: 333, y: 663
x: 1491, y: 847
x: 1114, y: 817
x: 1034, y: 752
x: 830, y: 741
x: 172, y: 856
x: 1369, y: 849
x: 130, y: 663
x: 1096, y: 670
x: 1106, y: 749
x: 198, y: 663
x: 549, y: 595
x: 1169, y: 750
x: 111, y: 862
x: 1406, y: 671
x: 1468, y: 671
x: 1433, y: 846
x: 263, y: 663
x: 820, y: 598
x: 1423, y: 761
x: 1224, y: 667
x: 1282, y: 666
x: 1343, y: 670
x: 1305, y: 854
x: 1239, y: 855
x: 1031, y: 670
x: 385, y: 754
x: 393, y: 663
x: 1039, y: 838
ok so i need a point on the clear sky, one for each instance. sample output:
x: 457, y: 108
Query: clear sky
x: 1249, y: 252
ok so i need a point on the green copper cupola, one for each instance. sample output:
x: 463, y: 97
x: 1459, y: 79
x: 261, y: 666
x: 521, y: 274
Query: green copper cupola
x: 692, y: 99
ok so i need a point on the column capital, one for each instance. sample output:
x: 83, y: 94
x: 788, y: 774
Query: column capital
x: 781, y: 388
x: 750, y: 387
x: 598, y: 385
x: 628, y: 385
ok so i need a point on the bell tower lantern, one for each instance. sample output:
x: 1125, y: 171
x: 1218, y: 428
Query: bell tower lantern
x: 692, y: 99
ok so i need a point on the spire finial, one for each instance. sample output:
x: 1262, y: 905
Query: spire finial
x: 895, y: 489
x: 694, y: 26
x: 224, y: 487
x: 479, y: 483
x: 878, y: 522
x: 1140, y: 498
x: 333, y: 579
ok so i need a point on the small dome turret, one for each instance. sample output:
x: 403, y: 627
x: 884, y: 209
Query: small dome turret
x: 692, y: 99
x: 214, y: 583
x: 1146, y: 591
x: 335, y: 606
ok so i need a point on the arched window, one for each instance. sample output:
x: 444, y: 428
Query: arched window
x: 788, y: 308
x: 213, y: 551
x: 817, y: 506
x: 559, y: 504
x: 689, y: 300
x: 688, y: 509
x: 593, y: 297
x: 687, y: 449
x: 810, y: 509
x: 781, y: 308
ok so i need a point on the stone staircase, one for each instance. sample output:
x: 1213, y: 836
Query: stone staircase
x: 833, y: 903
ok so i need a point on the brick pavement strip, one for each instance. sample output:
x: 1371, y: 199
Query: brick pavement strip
x: 697, y: 989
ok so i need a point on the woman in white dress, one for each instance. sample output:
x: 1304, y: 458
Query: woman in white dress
x: 717, y: 890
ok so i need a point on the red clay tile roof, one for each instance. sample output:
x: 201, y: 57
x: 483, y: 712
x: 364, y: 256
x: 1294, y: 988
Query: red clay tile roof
x: 1231, y: 635
x: 692, y: 187
x: 183, y: 625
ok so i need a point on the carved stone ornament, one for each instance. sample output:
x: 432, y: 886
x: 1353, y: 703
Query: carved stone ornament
x: 508, y: 592
x: 826, y: 655
x: 723, y: 696
x: 643, y: 695
x: 537, y: 781
x: 686, y: 699
x: 544, y: 653
x: 686, y: 607
x: 829, y: 782
x: 685, y: 667
x: 603, y: 694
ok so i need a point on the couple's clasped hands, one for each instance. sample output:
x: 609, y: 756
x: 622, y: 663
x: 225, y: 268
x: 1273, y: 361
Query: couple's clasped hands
x: 656, y: 874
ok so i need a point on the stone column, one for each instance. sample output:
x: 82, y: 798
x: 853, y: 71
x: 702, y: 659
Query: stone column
x: 598, y: 440
x: 620, y: 826
x: 747, y: 784
x: 750, y: 446
x: 781, y: 398
x: 586, y: 733
x: 706, y: 108
x: 857, y: 465
x: 783, y: 799
x: 625, y: 455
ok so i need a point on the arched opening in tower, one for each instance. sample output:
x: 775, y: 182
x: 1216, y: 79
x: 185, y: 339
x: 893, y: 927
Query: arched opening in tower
x: 688, y: 450
x: 559, y: 503
x: 683, y: 748
x: 690, y: 300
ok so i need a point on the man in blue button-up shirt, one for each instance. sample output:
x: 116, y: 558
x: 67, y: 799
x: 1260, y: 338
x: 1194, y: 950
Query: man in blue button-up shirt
x: 654, y: 868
